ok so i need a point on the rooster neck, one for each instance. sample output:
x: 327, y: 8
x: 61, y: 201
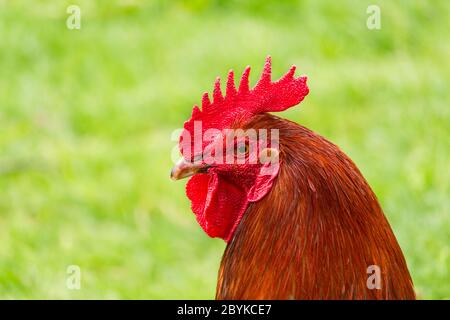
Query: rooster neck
x: 315, y: 234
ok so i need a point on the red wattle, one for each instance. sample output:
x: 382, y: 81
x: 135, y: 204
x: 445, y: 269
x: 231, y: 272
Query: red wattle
x: 217, y: 204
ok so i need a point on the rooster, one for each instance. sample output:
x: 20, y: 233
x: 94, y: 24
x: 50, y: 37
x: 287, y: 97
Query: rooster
x: 299, y: 219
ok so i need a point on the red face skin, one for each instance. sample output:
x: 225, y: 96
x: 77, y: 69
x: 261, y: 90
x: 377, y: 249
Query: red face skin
x: 221, y: 195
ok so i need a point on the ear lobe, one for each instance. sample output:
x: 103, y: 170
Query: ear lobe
x: 269, y: 155
x: 264, y: 181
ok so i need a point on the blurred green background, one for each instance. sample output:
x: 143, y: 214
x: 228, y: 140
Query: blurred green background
x: 86, y: 118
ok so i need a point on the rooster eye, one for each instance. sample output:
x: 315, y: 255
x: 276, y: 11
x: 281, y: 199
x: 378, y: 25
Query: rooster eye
x: 242, y: 148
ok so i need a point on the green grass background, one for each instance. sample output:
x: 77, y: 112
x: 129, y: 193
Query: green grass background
x: 86, y: 118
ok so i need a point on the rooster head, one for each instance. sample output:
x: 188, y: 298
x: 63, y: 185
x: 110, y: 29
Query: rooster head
x: 230, y: 163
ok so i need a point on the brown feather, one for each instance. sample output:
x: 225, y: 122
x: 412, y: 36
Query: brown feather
x: 316, y: 232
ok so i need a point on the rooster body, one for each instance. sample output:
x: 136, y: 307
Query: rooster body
x: 301, y: 222
x: 316, y: 233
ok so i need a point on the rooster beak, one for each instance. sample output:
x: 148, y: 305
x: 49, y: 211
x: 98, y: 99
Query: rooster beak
x: 183, y: 169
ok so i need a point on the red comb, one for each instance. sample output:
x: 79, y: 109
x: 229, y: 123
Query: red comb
x: 243, y: 103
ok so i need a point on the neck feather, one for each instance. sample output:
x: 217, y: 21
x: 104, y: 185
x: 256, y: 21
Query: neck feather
x: 316, y: 233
